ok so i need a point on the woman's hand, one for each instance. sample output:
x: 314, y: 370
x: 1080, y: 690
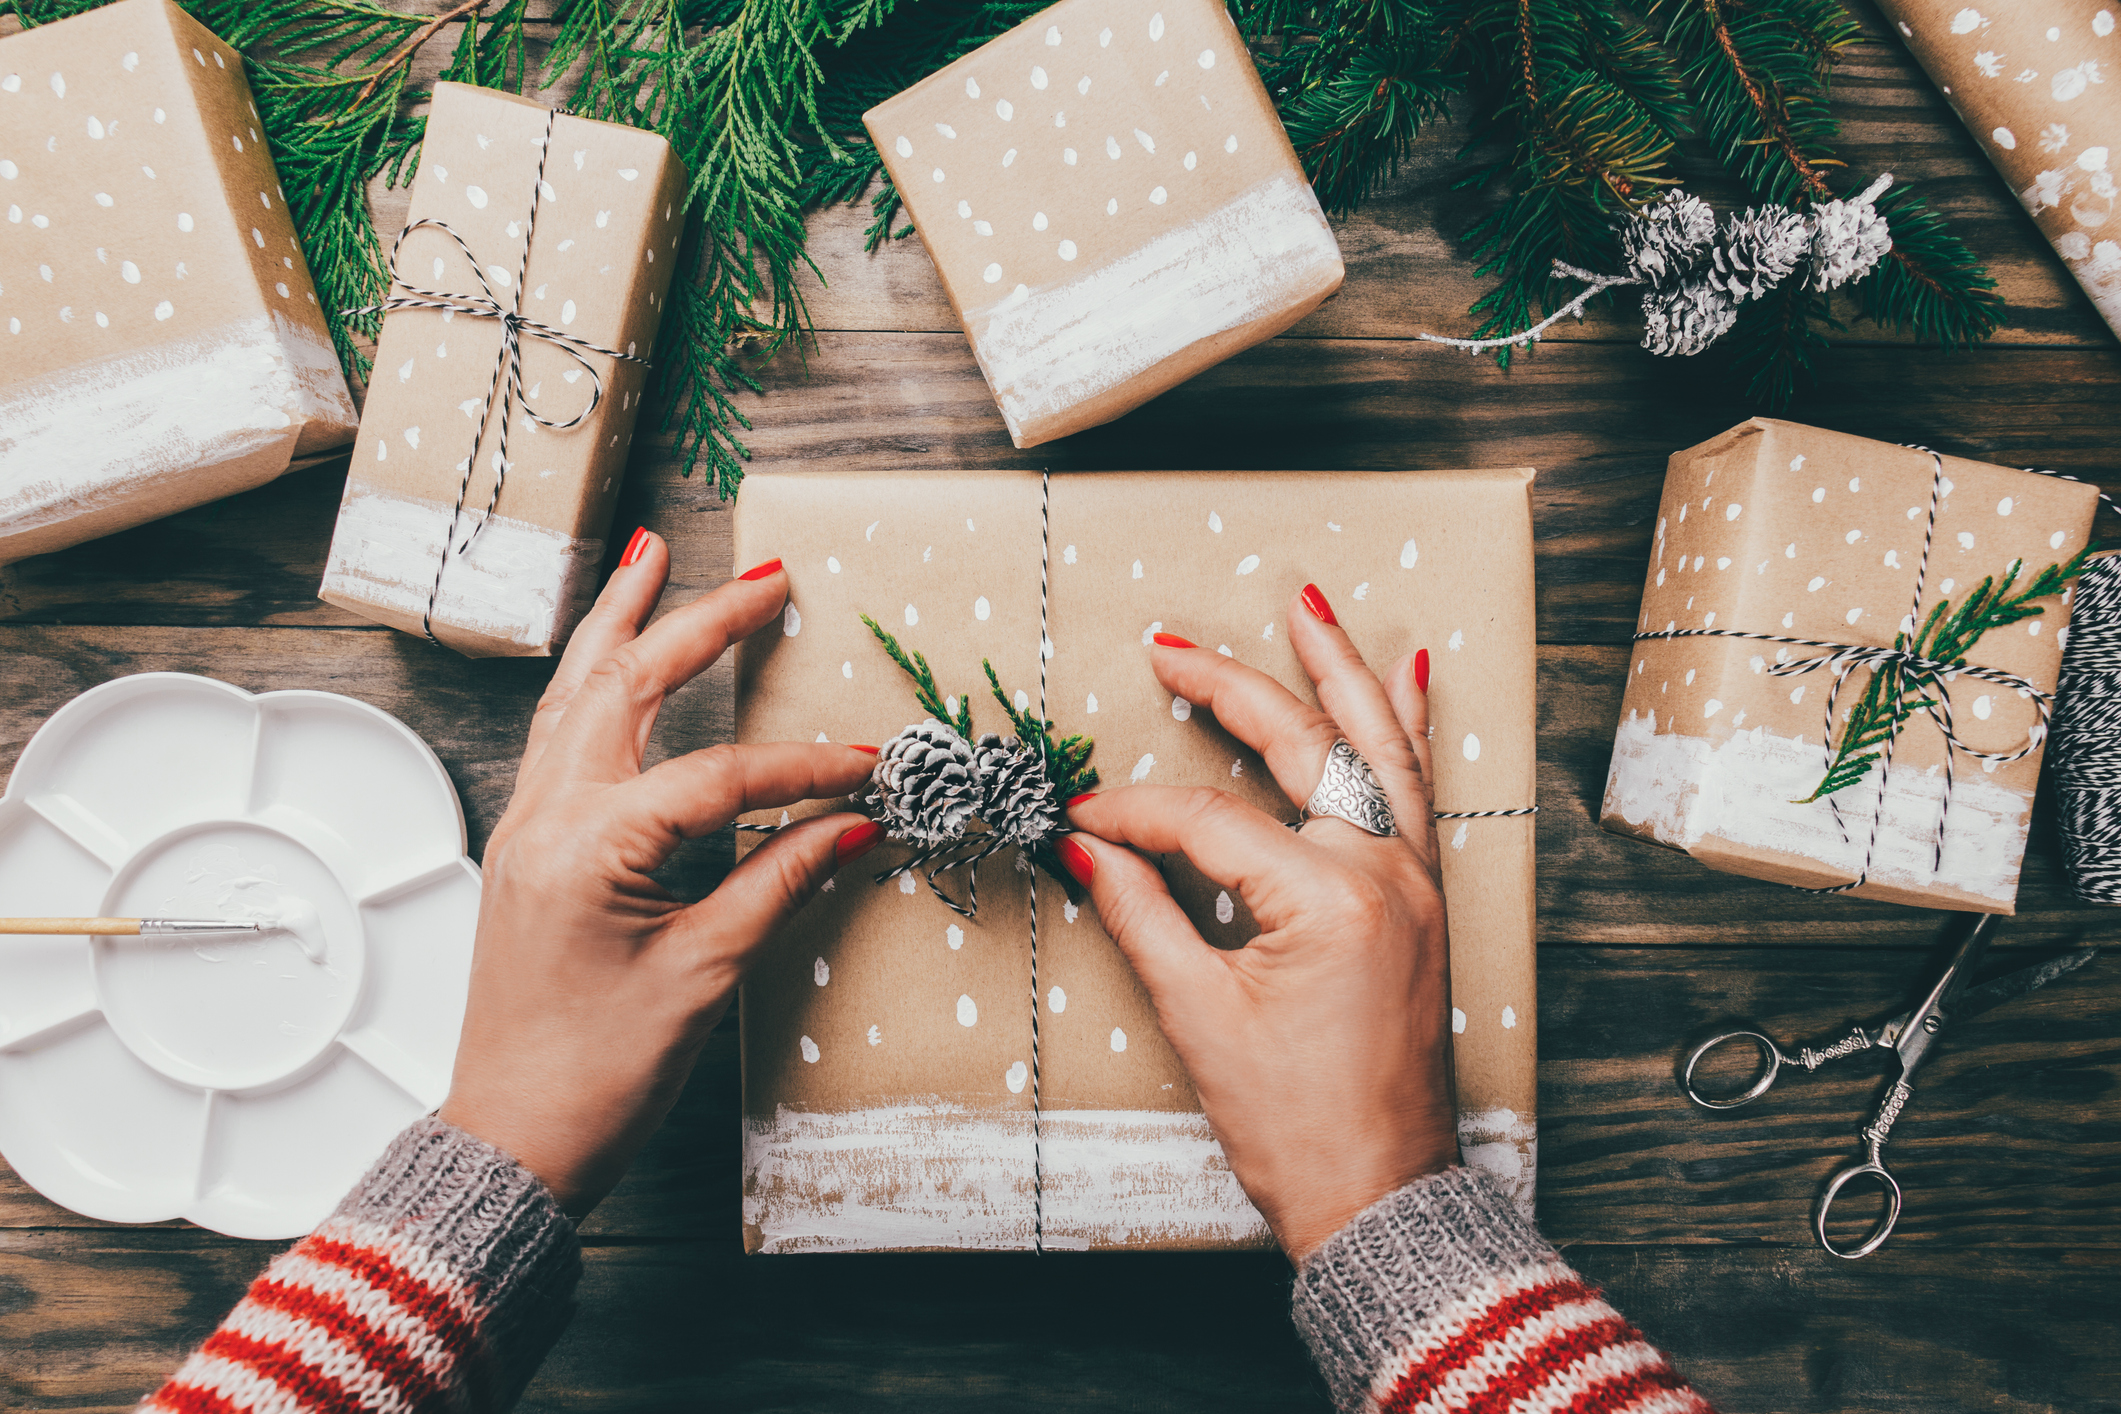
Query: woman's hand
x: 592, y: 989
x: 1321, y: 1048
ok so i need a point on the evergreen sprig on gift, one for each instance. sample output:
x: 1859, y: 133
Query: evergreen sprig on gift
x: 1894, y: 692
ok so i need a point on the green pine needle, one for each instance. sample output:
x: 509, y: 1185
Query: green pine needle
x: 925, y: 691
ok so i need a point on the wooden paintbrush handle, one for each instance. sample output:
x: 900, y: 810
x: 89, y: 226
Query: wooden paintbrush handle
x: 106, y: 927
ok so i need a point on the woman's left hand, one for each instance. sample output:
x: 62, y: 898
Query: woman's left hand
x: 592, y: 989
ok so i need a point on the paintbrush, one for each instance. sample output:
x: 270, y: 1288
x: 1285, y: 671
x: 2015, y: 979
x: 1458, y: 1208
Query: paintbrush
x: 126, y: 927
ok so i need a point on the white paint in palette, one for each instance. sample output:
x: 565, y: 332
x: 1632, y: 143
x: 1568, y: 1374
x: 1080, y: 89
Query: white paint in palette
x: 1746, y: 790
x: 521, y: 583
x: 94, y: 437
x: 1067, y: 343
x: 932, y: 1173
x: 1502, y: 1144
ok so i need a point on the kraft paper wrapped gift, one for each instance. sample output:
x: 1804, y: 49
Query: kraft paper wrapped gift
x: 1112, y: 204
x: 2038, y: 84
x: 887, y: 1041
x: 601, y: 252
x: 160, y: 340
x: 1775, y: 528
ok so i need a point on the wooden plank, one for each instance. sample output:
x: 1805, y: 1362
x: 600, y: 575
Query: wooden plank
x: 1597, y: 420
x: 93, y: 1320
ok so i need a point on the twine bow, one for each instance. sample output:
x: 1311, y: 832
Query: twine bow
x: 506, y: 384
x: 1842, y: 659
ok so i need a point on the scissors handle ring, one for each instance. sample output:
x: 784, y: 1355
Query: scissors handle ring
x: 1768, y: 1050
x: 1884, y: 1228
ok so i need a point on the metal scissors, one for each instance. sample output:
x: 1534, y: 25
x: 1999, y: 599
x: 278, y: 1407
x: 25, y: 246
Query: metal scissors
x: 1911, y: 1035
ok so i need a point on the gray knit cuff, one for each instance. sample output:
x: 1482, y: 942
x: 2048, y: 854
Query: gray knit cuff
x: 496, y: 1228
x: 1361, y: 1296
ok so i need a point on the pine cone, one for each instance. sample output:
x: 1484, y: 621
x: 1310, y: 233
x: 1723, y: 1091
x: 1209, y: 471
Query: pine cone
x: 925, y: 790
x: 1686, y: 320
x: 1017, y: 796
x: 1757, y: 251
x: 1667, y: 240
x: 1848, y: 238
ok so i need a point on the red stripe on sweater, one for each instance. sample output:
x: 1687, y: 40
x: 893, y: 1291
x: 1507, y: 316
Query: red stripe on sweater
x: 330, y: 1314
x: 1617, y: 1393
x: 1497, y: 1321
x: 1522, y: 1376
x: 190, y: 1399
x: 321, y: 1392
x: 416, y: 1296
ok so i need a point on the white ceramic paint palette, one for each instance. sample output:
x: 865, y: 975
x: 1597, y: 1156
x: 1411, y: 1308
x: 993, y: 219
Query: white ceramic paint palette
x: 241, y: 1082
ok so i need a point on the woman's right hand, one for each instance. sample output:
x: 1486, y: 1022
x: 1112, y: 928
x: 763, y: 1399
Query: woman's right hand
x: 1321, y: 1049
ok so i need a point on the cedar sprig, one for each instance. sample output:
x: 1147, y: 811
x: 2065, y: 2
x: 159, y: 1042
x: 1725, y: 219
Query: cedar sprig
x: 1066, y: 761
x: 1946, y: 636
x: 925, y: 691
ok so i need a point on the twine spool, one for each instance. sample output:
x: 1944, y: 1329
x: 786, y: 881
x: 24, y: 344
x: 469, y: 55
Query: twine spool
x: 2085, y: 748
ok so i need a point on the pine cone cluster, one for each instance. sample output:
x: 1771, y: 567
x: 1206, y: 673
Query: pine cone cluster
x: 1669, y: 239
x: 1756, y: 251
x: 929, y: 784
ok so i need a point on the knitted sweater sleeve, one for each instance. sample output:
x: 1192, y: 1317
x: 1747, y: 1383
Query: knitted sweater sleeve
x: 438, y: 1284
x: 1441, y: 1296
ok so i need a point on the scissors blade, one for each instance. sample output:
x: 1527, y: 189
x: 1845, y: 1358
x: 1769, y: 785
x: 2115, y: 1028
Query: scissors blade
x: 2012, y: 985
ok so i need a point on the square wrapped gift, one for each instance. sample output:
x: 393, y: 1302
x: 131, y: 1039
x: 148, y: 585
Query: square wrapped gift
x: 887, y: 1040
x: 481, y: 489
x: 1789, y: 564
x: 1112, y: 204
x: 161, y: 344
x: 2035, y: 82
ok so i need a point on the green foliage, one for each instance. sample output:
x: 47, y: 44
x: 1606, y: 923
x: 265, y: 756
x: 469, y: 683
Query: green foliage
x: 925, y: 691
x: 1946, y: 636
x: 1067, y: 760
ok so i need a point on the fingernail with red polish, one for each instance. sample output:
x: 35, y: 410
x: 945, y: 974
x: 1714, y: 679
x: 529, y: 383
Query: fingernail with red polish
x: 634, y: 547
x: 771, y: 567
x: 1421, y: 670
x: 1320, y: 609
x: 1172, y: 640
x: 859, y: 747
x: 1078, y: 800
x: 857, y: 841
x: 1077, y: 859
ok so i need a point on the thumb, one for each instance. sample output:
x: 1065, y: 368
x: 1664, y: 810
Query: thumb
x: 731, y: 925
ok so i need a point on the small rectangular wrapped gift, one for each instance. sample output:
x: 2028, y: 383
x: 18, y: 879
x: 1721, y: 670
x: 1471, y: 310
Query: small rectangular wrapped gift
x: 2038, y: 84
x: 161, y: 344
x: 888, y: 1040
x: 1112, y: 204
x: 528, y: 285
x: 1845, y: 664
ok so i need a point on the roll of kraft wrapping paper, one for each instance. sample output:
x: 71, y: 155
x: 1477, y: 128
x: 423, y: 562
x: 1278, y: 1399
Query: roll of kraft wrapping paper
x: 887, y: 1040
x: 161, y: 344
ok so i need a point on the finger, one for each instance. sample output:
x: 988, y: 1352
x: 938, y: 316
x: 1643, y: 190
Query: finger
x: 1407, y: 688
x: 628, y: 598
x: 728, y: 927
x: 700, y: 792
x: 1351, y: 693
x: 1229, y: 841
x: 1135, y: 906
x: 605, y: 728
x: 1290, y: 735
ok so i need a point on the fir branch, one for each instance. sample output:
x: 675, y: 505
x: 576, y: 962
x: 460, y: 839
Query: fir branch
x: 1065, y: 760
x: 1930, y: 283
x: 925, y: 691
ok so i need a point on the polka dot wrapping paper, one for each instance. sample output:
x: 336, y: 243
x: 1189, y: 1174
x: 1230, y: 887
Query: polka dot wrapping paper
x: 887, y: 1040
x: 1779, y: 529
x: 1112, y: 204
x: 2038, y: 84
x: 160, y: 340
x: 601, y: 249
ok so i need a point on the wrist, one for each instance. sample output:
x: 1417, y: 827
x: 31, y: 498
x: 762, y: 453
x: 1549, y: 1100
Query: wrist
x: 1326, y: 1204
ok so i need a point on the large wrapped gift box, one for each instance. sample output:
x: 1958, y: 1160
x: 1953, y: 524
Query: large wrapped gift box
x: 887, y: 1041
x: 2038, y: 84
x: 161, y: 344
x: 1788, y: 531
x: 1112, y: 204
x: 521, y: 565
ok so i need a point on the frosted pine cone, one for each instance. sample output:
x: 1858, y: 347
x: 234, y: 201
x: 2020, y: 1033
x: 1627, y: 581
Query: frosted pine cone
x: 1668, y: 239
x: 925, y: 790
x: 1018, y: 797
x: 1757, y: 251
x: 1848, y: 238
x: 1686, y: 320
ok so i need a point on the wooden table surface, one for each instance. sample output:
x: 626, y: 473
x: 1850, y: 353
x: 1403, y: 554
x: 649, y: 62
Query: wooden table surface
x: 2001, y: 1288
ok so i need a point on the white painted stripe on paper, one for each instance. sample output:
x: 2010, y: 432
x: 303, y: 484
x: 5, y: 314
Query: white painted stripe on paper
x: 520, y: 583
x: 1060, y: 346
x: 937, y: 1174
x: 95, y: 434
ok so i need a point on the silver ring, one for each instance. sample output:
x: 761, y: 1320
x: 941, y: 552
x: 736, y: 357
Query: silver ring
x: 1349, y: 791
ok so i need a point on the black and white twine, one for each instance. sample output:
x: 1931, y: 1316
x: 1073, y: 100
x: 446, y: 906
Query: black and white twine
x: 507, y: 380
x: 2085, y: 751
